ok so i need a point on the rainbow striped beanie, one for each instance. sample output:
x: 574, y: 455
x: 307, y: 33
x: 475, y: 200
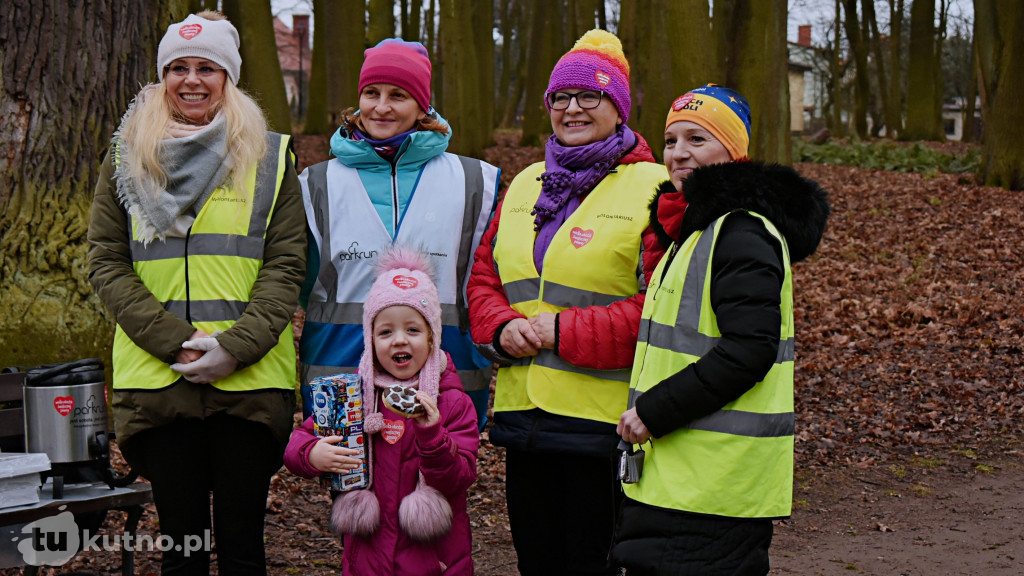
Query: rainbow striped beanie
x: 596, y: 62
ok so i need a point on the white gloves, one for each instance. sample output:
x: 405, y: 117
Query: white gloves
x: 215, y: 363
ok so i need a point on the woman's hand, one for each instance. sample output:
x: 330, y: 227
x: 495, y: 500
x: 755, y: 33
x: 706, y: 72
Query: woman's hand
x: 431, y: 416
x: 631, y: 428
x: 184, y: 356
x: 326, y: 457
x: 519, y: 339
x: 215, y: 363
x: 544, y: 327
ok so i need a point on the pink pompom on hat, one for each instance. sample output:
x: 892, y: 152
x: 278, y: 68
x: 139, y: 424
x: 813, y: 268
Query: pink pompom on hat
x: 401, y: 63
x: 596, y: 62
x: 404, y: 278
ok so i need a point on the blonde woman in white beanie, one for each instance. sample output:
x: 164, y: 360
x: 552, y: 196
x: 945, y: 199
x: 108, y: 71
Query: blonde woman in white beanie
x: 197, y: 249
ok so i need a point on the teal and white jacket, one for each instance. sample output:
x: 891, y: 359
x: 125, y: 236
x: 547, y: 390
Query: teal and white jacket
x: 356, y: 204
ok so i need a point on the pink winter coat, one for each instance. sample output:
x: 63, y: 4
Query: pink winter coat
x: 445, y: 454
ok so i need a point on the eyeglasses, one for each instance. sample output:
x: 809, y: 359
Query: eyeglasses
x: 586, y: 99
x: 181, y: 71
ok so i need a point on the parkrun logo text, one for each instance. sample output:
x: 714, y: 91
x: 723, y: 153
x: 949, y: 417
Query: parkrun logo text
x: 55, y: 540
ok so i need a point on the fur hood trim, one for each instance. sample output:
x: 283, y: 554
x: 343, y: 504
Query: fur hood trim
x: 797, y: 206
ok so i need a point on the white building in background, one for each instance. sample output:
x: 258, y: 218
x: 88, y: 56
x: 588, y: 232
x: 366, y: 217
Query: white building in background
x: 808, y: 69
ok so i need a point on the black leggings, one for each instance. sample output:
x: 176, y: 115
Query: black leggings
x: 189, y: 459
x: 561, y: 508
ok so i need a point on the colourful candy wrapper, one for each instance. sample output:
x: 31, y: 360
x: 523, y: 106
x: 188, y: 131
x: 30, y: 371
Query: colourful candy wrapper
x: 338, y: 411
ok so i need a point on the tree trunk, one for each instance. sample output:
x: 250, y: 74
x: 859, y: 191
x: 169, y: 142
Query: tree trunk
x: 922, y: 89
x: 759, y: 71
x: 415, y: 12
x: 517, y: 74
x: 584, y: 15
x: 967, y: 135
x: 838, y: 129
x: 482, y: 27
x: 200, y: 5
x: 855, y: 35
x: 893, y: 114
x: 543, y: 52
x: 659, y: 75
x: 344, y: 42
x: 382, y: 20
x: 262, y: 76
x: 68, y: 70
x: 723, y: 28
x: 1002, y: 162
x: 871, y: 25
x: 403, y: 11
x: 468, y: 62
x: 318, y: 121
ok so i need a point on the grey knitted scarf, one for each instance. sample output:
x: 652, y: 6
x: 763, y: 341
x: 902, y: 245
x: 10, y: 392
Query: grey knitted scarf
x: 196, y: 165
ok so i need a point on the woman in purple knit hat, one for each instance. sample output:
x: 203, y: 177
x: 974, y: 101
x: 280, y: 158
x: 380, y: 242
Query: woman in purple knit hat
x: 560, y: 313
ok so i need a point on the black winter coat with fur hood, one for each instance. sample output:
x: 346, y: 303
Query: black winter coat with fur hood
x: 746, y: 281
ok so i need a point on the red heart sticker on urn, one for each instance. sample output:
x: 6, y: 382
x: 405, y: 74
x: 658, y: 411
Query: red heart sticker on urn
x: 580, y: 237
x: 64, y: 404
x: 404, y: 282
x: 190, y: 31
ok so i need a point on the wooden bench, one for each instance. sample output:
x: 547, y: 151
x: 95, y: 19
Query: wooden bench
x: 81, y: 500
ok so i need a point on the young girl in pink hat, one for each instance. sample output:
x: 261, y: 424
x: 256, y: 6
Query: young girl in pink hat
x: 412, y: 519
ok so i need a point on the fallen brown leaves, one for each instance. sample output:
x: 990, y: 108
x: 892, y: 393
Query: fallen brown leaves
x: 909, y: 341
x: 909, y: 319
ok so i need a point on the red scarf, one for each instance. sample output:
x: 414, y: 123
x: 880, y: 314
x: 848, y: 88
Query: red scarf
x: 671, y: 207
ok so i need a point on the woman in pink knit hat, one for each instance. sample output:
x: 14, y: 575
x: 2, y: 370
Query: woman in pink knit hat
x: 391, y: 181
x: 555, y: 296
x: 412, y: 519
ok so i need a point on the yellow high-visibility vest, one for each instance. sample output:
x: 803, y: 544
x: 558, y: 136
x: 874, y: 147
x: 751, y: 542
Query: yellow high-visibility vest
x: 593, y: 260
x: 206, y: 279
x: 737, y: 462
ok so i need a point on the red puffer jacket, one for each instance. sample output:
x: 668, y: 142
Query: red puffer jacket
x: 599, y: 337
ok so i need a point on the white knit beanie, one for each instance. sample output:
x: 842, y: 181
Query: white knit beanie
x: 197, y: 37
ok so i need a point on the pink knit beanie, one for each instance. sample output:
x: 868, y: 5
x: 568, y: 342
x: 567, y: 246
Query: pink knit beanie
x: 404, y: 64
x: 596, y: 62
x: 403, y: 278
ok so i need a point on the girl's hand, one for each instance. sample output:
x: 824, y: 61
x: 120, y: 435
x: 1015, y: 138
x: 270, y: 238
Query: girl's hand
x: 519, y: 339
x: 431, y: 416
x: 326, y: 457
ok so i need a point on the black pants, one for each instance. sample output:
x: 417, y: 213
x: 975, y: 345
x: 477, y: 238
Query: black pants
x: 185, y: 462
x: 561, y: 509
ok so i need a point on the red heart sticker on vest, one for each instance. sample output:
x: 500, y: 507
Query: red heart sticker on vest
x: 602, y: 78
x: 682, y: 101
x: 404, y: 282
x: 580, y: 237
x: 190, y: 31
x: 393, y: 430
x: 64, y: 404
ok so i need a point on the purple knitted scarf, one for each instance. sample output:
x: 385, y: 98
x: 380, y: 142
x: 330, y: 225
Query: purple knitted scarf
x: 387, y: 148
x: 572, y: 172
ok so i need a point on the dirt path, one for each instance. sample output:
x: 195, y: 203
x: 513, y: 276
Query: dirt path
x: 922, y: 517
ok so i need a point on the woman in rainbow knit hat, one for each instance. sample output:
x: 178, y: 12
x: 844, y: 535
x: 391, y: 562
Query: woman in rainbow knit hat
x: 555, y: 296
x: 711, y: 394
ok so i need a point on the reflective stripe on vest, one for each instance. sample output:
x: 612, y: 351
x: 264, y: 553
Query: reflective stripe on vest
x: 737, y: 462
x: 206, y: 278
x: 446, y: 216
x: 593, y: 260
